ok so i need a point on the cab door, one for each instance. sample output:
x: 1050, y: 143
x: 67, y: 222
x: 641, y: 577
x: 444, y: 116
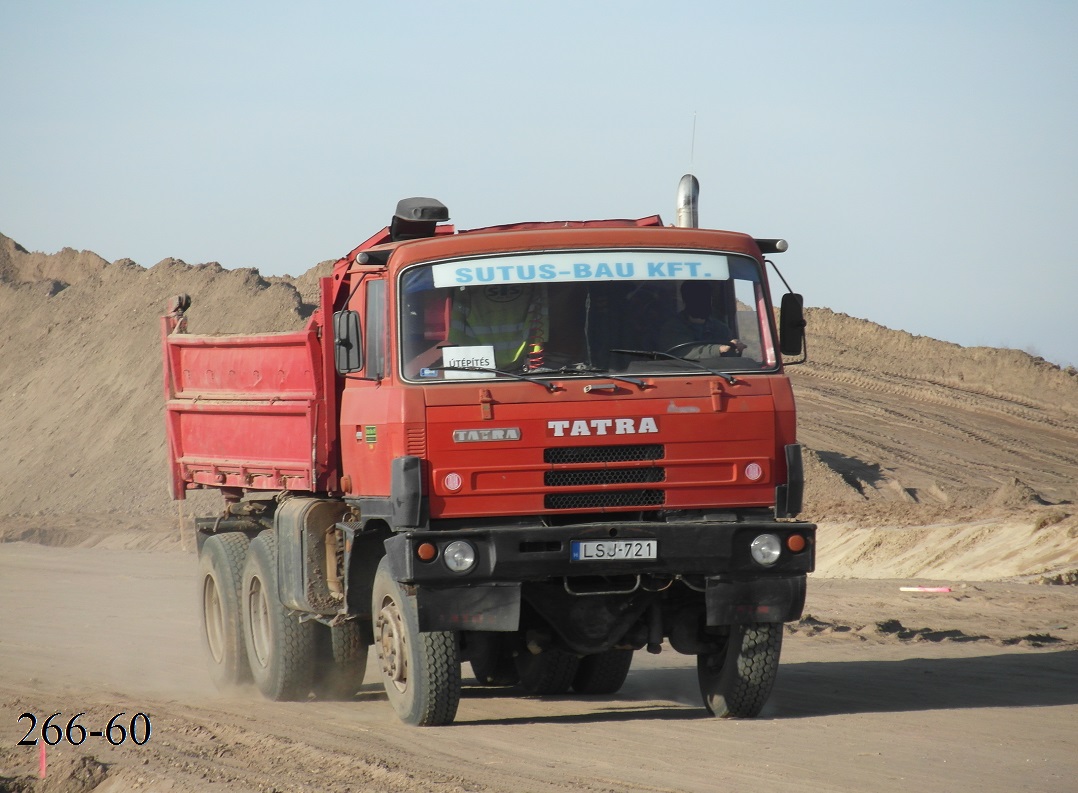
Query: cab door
x: 366, y: 401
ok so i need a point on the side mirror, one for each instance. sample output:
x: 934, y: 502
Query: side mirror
x: 347, y: 342
x: 792, y: 324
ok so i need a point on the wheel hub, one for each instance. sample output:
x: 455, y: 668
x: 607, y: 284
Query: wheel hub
x: 392, y: 645
x: 215, y: 619
x: 258, y: 611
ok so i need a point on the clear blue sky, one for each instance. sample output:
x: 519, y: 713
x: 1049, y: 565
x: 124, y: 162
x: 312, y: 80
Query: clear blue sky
x: 920, y: 157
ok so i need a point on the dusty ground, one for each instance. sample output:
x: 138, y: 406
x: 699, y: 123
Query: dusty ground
x: 879, y: 690
x: 928, y: 464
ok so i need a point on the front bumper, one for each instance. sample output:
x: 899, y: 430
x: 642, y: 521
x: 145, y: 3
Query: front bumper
x: 702, y: 571
x: 516, y: 555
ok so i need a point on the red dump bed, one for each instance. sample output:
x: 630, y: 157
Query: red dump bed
x: 248, y: 411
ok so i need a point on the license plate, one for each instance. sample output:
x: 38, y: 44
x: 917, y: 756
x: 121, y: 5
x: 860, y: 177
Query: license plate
x: 613, y: 550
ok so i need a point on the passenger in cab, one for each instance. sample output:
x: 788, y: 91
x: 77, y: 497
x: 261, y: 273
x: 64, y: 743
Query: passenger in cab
x: 512, y: 318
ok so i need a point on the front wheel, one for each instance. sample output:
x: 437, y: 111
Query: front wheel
x: 420, y: 671
x: 736, y: 681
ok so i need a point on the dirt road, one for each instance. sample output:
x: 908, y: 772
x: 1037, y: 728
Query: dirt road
x: 879, y: 690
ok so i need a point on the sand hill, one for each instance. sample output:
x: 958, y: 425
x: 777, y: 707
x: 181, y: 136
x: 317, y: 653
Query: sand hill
x: 924, y: 458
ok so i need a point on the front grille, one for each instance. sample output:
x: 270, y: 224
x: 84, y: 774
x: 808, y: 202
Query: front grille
x: 603, y: 454
x: 604, y: 476
x: 604, y: 500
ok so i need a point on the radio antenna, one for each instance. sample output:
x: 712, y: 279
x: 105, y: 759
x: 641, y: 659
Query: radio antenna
x: 692, y: 145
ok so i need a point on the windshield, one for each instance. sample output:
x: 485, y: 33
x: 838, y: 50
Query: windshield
x: 588, y: 312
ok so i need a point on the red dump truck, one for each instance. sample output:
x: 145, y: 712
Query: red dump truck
x: 536, y: 447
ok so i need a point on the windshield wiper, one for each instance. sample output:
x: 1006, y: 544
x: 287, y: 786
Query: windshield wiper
x: 548, y: 386
x: 657, y: 354
x: 591, y: 370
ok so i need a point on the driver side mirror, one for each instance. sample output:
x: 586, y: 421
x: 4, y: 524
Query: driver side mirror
x: 792, y: 324
x: 347, y: 342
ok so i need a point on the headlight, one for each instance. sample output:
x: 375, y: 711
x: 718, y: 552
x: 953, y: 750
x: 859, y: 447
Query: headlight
x: 766, y: 549
x: 459, y: 556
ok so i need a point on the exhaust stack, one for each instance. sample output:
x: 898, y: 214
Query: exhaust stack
x: 688, y: 197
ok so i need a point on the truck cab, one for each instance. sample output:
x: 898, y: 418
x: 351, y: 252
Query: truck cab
x: 543, y: 447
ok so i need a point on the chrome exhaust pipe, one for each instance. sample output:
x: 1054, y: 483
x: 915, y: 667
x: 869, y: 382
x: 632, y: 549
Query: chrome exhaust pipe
x: 688, y: 197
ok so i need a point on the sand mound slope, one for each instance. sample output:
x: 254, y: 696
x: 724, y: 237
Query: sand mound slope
x: 900, y: 430
x: 933, y: 460
x: 907, y: 419
x: 80, y: 372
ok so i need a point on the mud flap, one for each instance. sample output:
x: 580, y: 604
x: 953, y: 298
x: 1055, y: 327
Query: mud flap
x: 307, y: 574
x: 484, y: 607
x: 759, y: 600
x: 789, y: 497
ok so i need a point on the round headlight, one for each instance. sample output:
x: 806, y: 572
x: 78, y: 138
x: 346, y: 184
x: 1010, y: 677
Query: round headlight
x: 766, y: 549
x: 459, y: 556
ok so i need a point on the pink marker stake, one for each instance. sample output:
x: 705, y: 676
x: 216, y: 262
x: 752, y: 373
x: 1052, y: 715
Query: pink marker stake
x: 41, y: 760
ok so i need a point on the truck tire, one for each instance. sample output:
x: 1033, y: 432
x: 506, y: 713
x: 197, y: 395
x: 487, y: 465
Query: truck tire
x: 420, y: 671
x: 549, y: 672
x: 342, y: 659
x: 492, y: 659
x: 602, y: 673
x: 220, y: 565
x: 280, y: 648
x: 736, y: 682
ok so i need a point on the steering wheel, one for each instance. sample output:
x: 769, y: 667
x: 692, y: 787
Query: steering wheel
x: 677, y: 349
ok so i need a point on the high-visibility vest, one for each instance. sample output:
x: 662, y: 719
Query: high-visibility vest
x: 512, y: 318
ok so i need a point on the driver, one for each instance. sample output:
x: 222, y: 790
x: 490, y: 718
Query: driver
x: 695, y: 323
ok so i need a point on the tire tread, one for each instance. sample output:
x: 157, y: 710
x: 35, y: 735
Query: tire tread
x: 433, y: 692
x: 342, y: 660
x: 603, y: 673
x: 737, y: 682
x: 550, y: 672
x: 288, y: 676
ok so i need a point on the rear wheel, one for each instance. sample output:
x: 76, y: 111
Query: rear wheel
x: 280, y: 648
x: 342, y: 659
x: 549, y: 672
x: 602, y: 673
x: 420, y: 671
x: 220, y: 565
x: 736, y: 682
